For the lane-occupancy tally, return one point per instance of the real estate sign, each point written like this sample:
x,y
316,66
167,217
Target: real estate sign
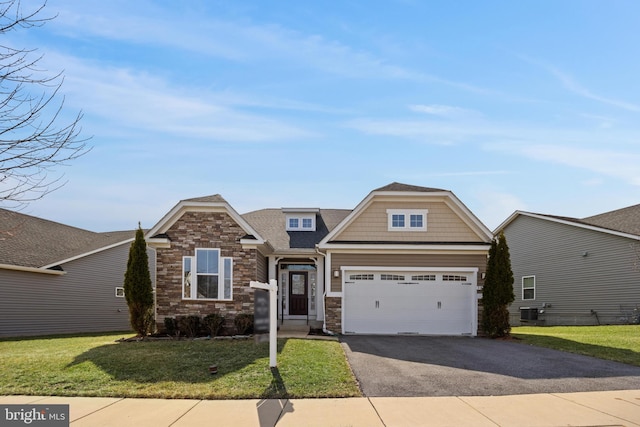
x,y
261,312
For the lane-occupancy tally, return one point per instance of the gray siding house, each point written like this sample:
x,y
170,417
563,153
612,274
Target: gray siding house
x,y
58,279
570,271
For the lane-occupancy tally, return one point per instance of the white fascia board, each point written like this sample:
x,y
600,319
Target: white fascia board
x,y
158,242
469,218
514,215
104,248
451,200
457,206
190,206
337,247
265,247
301,210
345,222
509,220
32,269
303,252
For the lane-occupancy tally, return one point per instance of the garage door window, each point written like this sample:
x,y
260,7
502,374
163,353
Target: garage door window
x,y
361,277
391,277
424,277
453,278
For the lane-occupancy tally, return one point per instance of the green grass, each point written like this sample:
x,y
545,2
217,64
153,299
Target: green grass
x,y
620,343
99,366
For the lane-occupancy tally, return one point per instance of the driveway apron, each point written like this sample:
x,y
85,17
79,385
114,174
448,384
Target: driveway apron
x,y
406,366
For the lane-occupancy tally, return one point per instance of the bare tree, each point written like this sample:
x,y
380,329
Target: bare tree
x,y
32,139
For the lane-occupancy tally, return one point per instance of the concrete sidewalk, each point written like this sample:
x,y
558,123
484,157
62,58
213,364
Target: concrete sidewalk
x,y
608,408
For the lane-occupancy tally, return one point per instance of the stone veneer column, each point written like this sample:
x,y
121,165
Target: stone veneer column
x,y
333,314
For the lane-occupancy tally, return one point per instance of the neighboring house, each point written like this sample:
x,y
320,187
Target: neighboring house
x,y
407,259
57,279
570,271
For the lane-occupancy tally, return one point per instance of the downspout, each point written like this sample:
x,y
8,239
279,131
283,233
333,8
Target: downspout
x,y
324,296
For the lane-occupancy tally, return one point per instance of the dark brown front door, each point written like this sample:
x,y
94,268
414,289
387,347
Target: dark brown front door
x,y
298,296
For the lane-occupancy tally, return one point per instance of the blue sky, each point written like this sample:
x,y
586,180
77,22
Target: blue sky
x,y
527,105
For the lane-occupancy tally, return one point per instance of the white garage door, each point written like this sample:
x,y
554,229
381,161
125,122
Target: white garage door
x,y
409,302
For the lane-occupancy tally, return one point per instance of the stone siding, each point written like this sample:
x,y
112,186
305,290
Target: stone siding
x,y
333,314
204,230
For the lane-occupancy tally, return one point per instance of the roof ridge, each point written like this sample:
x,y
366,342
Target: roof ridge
x,y
398,186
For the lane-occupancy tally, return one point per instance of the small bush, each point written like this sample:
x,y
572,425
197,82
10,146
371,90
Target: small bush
x,y
213,323
243,323
189,325
171,326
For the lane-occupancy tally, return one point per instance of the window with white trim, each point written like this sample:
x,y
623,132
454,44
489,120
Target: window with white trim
x,y
207,275
294,223
407,219
302,222
119,292
528,288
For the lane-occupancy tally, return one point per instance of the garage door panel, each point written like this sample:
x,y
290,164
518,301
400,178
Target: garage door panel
x,y
432,307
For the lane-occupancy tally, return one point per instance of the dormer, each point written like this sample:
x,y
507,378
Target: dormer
x,y
300,219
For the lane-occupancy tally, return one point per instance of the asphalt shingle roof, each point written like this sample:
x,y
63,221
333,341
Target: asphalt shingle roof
x,y
215,198
28,241
271,225
397,186
626,220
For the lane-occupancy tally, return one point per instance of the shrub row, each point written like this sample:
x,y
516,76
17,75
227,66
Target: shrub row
x,y
211,325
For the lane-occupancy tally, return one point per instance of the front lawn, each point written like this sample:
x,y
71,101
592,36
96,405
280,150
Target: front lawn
x,y
620,343
99,366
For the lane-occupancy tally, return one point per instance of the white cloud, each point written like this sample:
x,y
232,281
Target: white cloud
x,y
238,40
574,86
493,206
574,147
445,111
138,100
619,164
571,84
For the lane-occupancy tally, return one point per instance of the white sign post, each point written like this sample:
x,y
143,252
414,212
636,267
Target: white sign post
x,y
272,287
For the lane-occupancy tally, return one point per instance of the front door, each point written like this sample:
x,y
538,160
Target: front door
x,y
298,293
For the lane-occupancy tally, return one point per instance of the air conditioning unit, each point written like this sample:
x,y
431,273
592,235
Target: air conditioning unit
x,y
528,314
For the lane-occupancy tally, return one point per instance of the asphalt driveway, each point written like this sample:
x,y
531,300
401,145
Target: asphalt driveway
x,y
462,366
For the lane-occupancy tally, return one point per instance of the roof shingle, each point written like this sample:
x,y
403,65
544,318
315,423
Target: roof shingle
x,y
28,241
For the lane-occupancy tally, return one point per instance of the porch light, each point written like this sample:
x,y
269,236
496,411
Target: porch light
x,y
336,273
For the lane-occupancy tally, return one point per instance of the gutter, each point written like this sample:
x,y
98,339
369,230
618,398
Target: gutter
x,y
324,296
32,269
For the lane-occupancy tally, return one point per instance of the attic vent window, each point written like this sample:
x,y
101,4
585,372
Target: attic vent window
x,y
301,222
407,219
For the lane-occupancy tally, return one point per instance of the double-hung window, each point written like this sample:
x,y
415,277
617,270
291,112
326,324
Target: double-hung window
x,y
529,287
207,275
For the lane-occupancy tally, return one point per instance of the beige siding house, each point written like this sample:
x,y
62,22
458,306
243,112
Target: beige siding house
x,y
57,279
407,260
571,271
